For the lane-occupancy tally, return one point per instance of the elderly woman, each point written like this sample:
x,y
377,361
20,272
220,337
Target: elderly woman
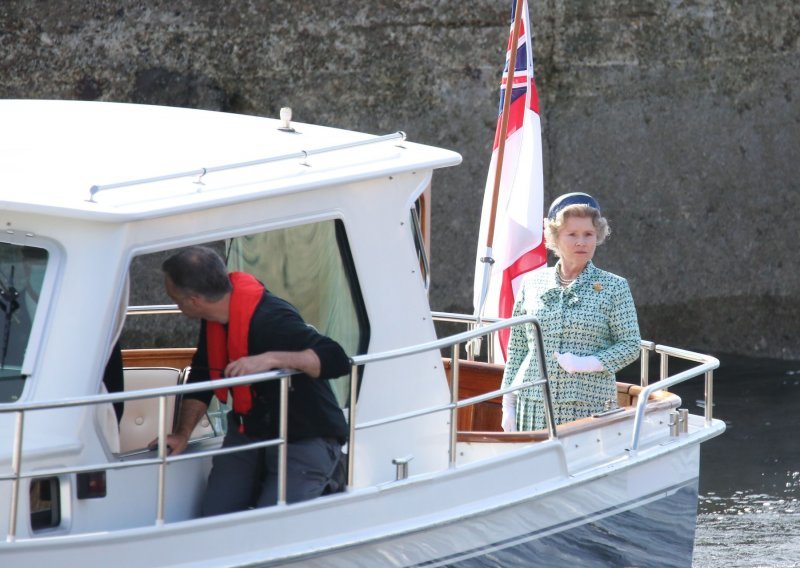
x,y
588,321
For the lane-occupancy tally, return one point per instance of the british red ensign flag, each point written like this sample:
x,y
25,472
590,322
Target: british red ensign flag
x,y
518,247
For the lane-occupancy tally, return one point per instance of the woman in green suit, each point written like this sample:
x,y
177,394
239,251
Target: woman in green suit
x,y
588,320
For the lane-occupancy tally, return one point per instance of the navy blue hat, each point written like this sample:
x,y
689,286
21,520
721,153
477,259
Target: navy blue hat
x,y
576,198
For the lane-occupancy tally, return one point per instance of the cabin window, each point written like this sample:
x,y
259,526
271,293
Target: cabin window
x,y
419,222
22,270
421,240
45,496
310,266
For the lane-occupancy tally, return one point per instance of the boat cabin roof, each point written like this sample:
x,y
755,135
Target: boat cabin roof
x,y
116,162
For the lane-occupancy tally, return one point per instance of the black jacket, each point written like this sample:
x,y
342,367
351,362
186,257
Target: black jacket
x,y
313,410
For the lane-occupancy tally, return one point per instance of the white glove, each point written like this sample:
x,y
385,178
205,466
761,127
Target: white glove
x,y
575,364
509,421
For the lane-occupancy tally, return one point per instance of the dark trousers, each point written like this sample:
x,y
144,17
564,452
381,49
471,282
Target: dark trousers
x,y
247,479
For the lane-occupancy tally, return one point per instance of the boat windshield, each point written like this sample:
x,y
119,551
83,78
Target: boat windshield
x,y
22,270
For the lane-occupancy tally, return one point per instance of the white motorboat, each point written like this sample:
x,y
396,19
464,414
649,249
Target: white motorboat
x,y
335,222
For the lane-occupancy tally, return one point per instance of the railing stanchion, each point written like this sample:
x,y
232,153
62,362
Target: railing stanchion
x,y
549,415
471,345
645,366
709,396
454,368
664,366
282,432
162,456
351,439
16,467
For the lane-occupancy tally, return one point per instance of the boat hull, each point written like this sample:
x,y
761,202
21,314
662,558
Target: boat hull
x,y
635,516
640,511
650,533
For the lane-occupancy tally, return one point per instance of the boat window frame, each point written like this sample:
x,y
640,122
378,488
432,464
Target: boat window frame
x,y
419,222
226,236
52,274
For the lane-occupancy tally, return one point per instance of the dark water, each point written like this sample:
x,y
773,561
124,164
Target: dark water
x,y
749,513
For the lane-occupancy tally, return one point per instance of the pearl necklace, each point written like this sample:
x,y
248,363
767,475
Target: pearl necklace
x,y
563,282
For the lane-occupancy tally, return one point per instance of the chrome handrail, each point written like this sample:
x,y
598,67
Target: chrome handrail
x,y
448,406
438,344
708,364
95,189
453,341
472,323
706,367
150,393
153,310
163,458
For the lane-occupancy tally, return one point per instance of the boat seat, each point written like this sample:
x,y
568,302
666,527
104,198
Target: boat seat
x,y
627,397
139,423
481,422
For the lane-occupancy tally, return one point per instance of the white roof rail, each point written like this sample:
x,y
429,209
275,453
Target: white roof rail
x,y
95,189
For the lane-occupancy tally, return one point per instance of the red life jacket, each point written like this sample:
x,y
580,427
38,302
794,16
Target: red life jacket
x,y
226,345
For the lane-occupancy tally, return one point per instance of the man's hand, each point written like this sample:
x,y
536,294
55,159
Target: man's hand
x,y
176,444
191,412
305,361
251,364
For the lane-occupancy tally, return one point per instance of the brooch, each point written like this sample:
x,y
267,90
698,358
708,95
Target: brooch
x,y
597,287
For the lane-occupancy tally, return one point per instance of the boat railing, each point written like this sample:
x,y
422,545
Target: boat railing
x,y
454,342
706,367
163,457
163,453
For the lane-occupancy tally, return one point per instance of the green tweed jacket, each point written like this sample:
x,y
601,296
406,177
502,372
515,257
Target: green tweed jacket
x,y
595,315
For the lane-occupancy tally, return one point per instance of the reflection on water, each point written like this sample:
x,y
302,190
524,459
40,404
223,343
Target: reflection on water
x,y
749,510
750,530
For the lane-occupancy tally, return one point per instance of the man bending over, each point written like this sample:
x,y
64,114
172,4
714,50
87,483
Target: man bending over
x,y
244,329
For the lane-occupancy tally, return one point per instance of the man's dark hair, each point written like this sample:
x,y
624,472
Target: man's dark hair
x,y
198,270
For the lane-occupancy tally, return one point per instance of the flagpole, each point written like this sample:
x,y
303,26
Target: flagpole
x,y
501,147
487,259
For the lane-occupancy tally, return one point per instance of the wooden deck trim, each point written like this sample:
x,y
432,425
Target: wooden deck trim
x,y
476,378
666,401
176,357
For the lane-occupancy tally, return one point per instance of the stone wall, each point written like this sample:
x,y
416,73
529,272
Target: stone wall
x,y
680,116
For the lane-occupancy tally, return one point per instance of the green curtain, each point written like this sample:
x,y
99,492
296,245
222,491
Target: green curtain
x,y
304,266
